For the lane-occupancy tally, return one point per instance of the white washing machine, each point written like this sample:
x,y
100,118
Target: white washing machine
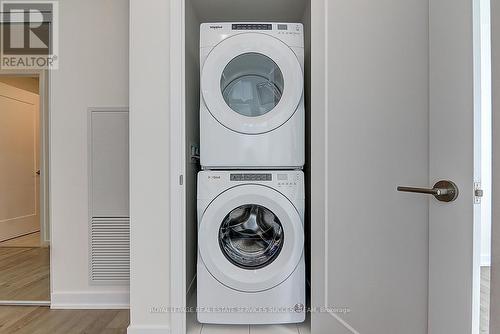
x,y
252,95
251,267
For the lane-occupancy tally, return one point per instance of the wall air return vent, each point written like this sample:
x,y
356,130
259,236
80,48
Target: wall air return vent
x,y
110,250
109,217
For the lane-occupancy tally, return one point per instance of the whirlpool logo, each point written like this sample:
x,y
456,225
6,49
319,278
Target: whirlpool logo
x,y
216,27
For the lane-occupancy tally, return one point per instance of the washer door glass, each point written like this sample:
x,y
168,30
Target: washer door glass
x,y
251,236
252,84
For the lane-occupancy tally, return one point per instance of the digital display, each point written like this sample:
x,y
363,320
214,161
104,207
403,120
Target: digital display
x,y
282,177
251,177
252,26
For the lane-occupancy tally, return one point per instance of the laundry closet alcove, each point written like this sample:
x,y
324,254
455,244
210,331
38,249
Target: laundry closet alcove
x,y
197,12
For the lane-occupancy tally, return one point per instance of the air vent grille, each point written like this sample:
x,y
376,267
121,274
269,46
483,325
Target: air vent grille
x,y
110,250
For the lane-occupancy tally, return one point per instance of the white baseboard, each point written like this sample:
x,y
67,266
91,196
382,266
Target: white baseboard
x,y
90,300
485,260
148,330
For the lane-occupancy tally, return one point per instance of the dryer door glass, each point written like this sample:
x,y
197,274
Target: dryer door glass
x,y
252,84
251,236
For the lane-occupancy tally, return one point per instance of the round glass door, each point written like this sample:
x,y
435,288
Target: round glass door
x,y
241,238
251,236
252,84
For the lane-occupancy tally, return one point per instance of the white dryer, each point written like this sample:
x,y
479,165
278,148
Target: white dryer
x,y
251,267
252,95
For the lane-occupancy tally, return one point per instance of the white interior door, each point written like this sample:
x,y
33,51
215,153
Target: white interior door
x,y
391,105
19,161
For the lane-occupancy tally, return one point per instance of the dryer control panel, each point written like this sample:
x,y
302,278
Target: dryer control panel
x,y
291,34
252,26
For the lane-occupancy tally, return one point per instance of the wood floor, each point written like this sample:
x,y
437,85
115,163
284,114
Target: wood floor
x,y
485,300
42,320
24,274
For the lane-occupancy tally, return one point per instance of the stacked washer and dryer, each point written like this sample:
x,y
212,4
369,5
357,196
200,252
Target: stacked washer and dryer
x,y
251,192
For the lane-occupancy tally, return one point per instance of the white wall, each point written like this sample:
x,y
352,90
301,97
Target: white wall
x,y
485,132
495,252
93,72
150,165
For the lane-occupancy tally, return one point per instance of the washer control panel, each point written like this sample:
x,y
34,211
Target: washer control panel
x,y
213,182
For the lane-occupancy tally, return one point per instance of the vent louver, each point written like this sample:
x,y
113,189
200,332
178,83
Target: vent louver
x,y
110,250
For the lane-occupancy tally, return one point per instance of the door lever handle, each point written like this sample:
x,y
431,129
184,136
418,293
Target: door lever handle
x,y
444,191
